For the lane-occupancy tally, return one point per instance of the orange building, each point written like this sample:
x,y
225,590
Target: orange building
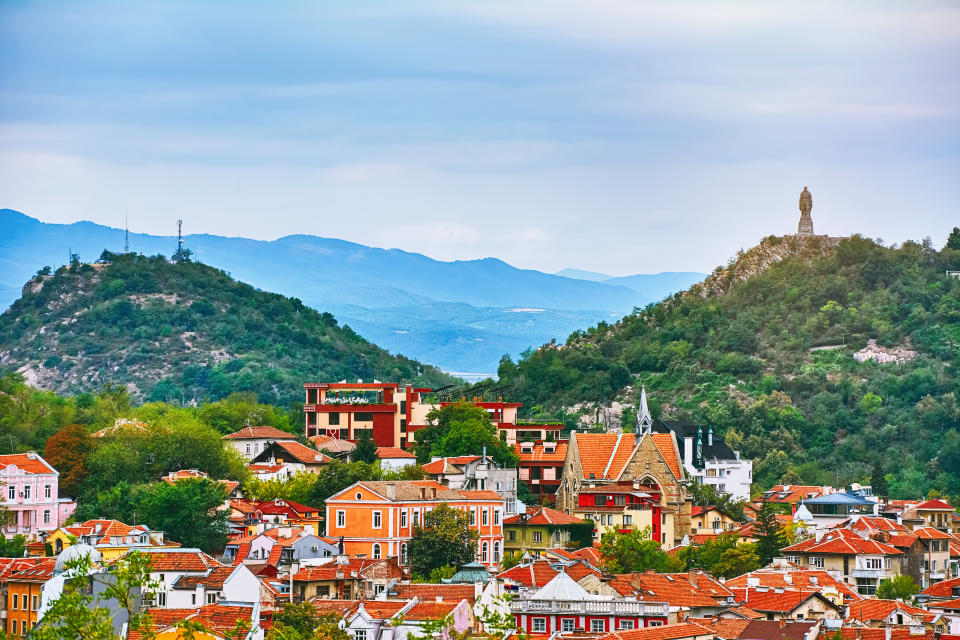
x,y
376,519
23,580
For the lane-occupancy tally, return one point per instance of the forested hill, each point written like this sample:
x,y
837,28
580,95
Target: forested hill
x,y
181,332
764,351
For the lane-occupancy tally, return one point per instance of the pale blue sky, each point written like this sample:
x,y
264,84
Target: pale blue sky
x,y
617,136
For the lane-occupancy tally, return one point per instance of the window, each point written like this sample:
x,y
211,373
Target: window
x,y
537,536
403,518
26,603
566,624
35,603
162,599
47,491
620,500
600,501
655,623
499,486
484,516
377,520
212,598
484,552
416,518
403,553
378,589
12,493
874,563
360,634
496,517
193,598
496,551
46,516
376,551
539,625
596,626
816,561
866,586
363,417
473,517
15,600
626,624
334,419
26,492
627,521
511,535
248,448
716,524
341,519
14,627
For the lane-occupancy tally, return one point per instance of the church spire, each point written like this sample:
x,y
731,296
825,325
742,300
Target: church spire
x,y
644,419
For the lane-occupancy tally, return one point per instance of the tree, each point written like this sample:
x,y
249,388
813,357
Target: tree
x,y
901,587
770,535
67,451
459,429
953,242
878,481
188,511
365,449
302,622
736,561
705,495
633,551
444,538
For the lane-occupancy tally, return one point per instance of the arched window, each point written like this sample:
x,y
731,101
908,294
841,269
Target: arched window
x,y
376,551
484,552
403,553
496,551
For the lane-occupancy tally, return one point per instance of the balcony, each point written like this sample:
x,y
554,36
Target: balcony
x,y
867,573
596,607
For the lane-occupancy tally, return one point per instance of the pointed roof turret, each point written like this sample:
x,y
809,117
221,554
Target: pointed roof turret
x,y
644,419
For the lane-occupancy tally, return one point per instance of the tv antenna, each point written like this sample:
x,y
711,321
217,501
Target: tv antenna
x,y
126,231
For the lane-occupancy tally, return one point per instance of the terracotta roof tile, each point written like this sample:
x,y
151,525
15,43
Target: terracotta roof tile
x,y
534,574
668,449
382,608
935,505
430,592
665,632
945,604
30,463
778,600
260,433
539,452
929,533
394,452
302,453
874,609
213,580
431,610
180,560
443,465
802,579
542,515
943,589
842,541
675,588
603,455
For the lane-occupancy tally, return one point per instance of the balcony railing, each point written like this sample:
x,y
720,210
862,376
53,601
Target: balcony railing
x,y
867,573
610,607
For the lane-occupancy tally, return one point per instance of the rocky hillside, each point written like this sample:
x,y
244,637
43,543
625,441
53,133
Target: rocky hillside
x,y
181,332
823,361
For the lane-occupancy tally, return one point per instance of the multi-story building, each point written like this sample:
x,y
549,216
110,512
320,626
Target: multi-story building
x,y
251,441
626,506
708,460
476,472
21,581
393,414
932,513
541,467
712,521
346,578
376,519
537,530
29,492
111,538
596,460
190,578
854,557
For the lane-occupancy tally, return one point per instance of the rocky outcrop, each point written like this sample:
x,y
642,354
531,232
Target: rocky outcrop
x,y
884,355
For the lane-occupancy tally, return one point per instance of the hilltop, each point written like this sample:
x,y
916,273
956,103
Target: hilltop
x,y
182,332
460,315
822,360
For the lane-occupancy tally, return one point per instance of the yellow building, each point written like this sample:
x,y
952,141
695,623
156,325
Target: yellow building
x,y
111,538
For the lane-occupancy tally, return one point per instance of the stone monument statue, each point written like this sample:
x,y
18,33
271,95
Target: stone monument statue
x,y
805,228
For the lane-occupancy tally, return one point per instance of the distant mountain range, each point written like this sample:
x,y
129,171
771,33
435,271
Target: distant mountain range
x,y
461,315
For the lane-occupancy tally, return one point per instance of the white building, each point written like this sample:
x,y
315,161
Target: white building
x,y
251,441
707,460
190,578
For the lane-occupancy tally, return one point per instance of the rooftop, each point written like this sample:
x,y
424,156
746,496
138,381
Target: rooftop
x,y
260,433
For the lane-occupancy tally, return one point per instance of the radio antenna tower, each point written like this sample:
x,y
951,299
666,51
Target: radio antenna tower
x,y
126,231
179,237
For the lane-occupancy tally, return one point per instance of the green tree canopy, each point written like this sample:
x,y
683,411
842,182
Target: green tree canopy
x,y
634,551
365,449
444,538
462,428
901,587
188,511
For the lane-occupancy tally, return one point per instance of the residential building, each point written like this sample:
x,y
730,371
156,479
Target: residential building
x,y
926,551
297,458
790,496
693,593
738,628
191,578
949,612
219,622
346,578
395,458
29,492
931,513
232,486
789,604
475,472
528,577
21,581
376,519
564,606
652,460
539,529
280,547
333,447
832,509
681,631
626,506
398,620
881,613
781,574
541,467
250,442
712,520
111,538
853,557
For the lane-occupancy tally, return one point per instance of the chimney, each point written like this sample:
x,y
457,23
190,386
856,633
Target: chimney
x,y
886,633
391,490
688,452
484,454
693,576
783,624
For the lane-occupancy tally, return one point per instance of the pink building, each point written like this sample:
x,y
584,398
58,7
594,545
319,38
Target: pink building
x,y
29,490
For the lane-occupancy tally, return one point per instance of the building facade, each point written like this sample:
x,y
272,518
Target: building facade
x,y
30,495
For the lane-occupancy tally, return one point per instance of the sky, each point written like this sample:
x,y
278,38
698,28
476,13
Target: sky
x,y
613,135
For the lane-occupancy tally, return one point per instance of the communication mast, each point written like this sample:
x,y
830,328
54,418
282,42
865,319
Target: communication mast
x,y
179,237
126,231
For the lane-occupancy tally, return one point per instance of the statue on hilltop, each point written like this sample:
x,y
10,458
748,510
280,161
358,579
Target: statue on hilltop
x,y
805,228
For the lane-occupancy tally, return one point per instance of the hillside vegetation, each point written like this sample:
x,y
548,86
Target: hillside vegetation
x,y
764,351
182,332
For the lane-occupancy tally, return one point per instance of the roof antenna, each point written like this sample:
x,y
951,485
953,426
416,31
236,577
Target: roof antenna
x,y
126,231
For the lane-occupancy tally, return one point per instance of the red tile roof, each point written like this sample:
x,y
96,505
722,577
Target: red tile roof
x,y
27,569
479,495
870,633
431,610
934,505
678,589
334,445
534,574
394,452
929,533
778,600
943,589
260,433
301,453
288,507
874,609
186,474
667,446
794,493
180,560
874,523
27,462
945,604
539,453
443,465
542,516
213,580
603,455
329,571
382,608
665,632
842,541
802,579
430,592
